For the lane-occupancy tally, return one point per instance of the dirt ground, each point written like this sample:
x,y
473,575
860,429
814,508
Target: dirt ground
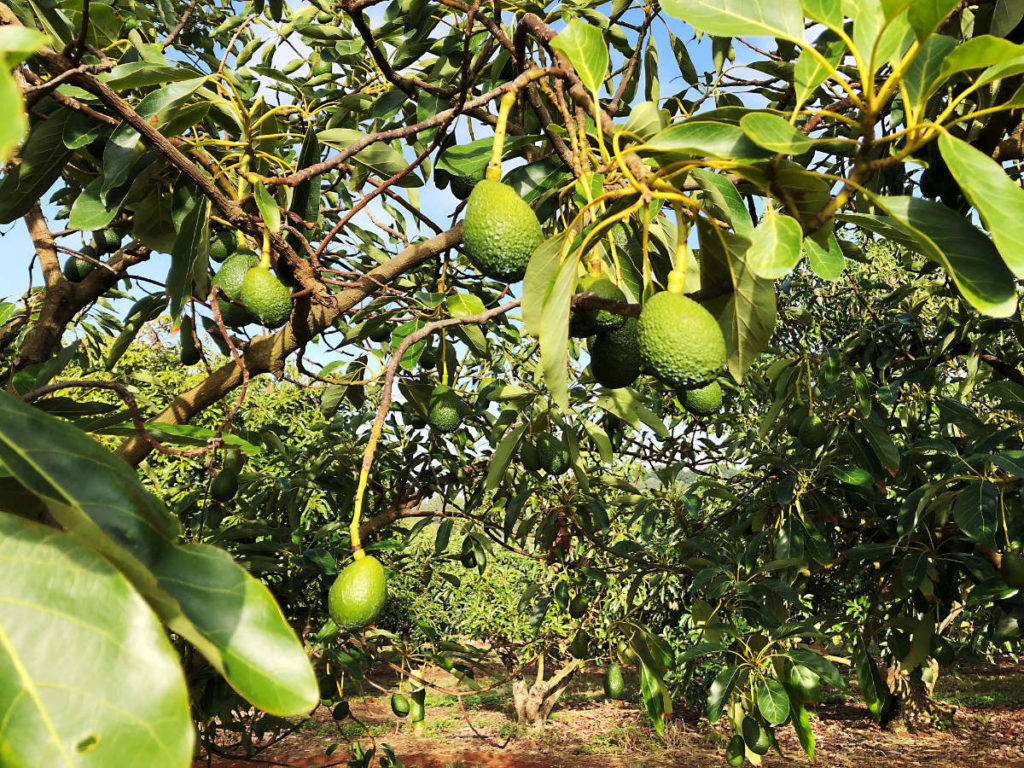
x,y
588,731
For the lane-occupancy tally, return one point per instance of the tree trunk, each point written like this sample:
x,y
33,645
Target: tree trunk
x,y
912,706
533,704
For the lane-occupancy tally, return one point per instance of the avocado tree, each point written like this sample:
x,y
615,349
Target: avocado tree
x,y
282,183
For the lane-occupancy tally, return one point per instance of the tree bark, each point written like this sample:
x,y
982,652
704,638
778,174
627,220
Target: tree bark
x,y
912,707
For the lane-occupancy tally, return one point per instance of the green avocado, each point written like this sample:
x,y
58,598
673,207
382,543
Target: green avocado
x,y
680,341
380,334
578,606
754,736
399,704
615,356
579,648
224,485
75,269
222,244
500,231
552,454
357,595
1012,570
190,352
602,288
796,418
813,432
613,684
703,400
230,277
266,297
462,186
106,240
444,409
528,455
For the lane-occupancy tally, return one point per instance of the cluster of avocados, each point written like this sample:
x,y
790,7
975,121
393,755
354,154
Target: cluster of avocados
x,y
250,292
546,452
103,243
225,484
808,428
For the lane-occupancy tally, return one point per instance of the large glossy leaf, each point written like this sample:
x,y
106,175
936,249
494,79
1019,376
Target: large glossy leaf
x,y
1000,201
380,158
554,332
42,159
90,211
502,456
965,253
775,246
87,677
872,687
978,52
696,138
976,511
924,71
772,701
584,46
721,688
809,72
926,15
775,134
826,263
16,43
733,18
723,201
199,591
191,256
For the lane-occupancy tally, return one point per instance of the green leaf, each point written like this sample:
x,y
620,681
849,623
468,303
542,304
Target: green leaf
x,y
190,257
818,664
380,158
882,445
979,52
600,439
739,18
268,207
699,138
142,74
502,456
142,311
826,264
828,12
926,15
16,44
775,246
540,273
976,511
869,679
628,406
198,590
464,305
306,197
657,700
723,201
772,701
118,691
1000,201
90,212
584,46
43,157
923,73
554,333
721,688
809,72
802,726
772,132
965,253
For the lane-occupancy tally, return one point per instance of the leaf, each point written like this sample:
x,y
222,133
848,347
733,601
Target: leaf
x,y
775,246
723,201
809,72
90,212
739,18
926,15
306,197
198,590
802,726
380,158
502,456
600,439
16,44
818,664
979,52
1000,201
118,691
721,688
190,256
657,700
872,687
584,46
540,273
268,207
828,12
882,445
965,253
142,311
703,138
43,157
826,264
772,132
627,405
141,74
923,72
772,701
976,511
554,333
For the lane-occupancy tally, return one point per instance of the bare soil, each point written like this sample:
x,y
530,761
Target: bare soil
x,y
588,731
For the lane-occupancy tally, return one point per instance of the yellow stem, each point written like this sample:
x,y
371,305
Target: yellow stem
x,y
498,148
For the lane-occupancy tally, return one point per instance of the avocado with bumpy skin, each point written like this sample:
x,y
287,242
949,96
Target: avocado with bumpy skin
x,y
106,240
444,411
230,277
380,334
266,297
462,186
680,341
221,246
357,595
615,356
704,400
613,684
552,454
500,231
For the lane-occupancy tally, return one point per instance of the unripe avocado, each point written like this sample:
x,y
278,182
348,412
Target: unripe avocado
x,y
357,595
399,705
444,409
552,454
75,269
615,356
579,648
528,455
704,400
380,334
462,186
813,432
223,243
500,231
189,354
428,360
613,684
106,240
578,606
266,297
755,737
230,277
796,419
224,486
602,288
680,341
1012,570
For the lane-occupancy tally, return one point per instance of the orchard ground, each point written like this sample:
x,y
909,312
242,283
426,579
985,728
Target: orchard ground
x,y
589,731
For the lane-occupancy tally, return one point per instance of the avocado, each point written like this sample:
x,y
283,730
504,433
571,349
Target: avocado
x,y
796,418
462,185
578,606
552,454
444,409
380,334
190,353
399,705
106,240
222,244
357,595
230,277
613,684
266,297
579,648
680,341
615,356
75,269
1012,570
602,288
500,231
813,432
528,455
224,485
754,736
703,400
